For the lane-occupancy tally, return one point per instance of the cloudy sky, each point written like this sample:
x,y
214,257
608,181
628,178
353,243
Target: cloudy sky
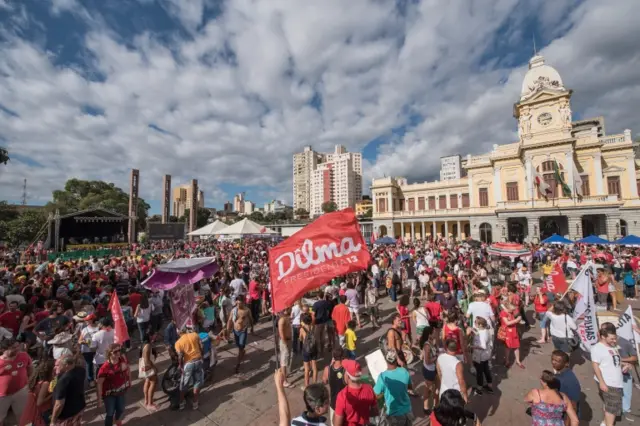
x,y
227,91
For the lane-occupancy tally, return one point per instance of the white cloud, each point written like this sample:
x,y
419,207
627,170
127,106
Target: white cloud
x,y
233,100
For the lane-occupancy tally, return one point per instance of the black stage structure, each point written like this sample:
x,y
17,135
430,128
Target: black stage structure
x,y
91,226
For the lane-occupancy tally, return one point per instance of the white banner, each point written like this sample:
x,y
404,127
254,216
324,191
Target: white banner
x,y
624,328
585,311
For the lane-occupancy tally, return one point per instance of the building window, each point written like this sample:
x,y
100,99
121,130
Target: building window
x,y
465,200
442,202
549,177
382,205
623,228
453,201
613,185
412,204
485,233
401,205
432,203
585,185
512,191
420,203
483,197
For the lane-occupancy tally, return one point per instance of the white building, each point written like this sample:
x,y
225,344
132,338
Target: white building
x,y
338,178
275,206
450,167
248,207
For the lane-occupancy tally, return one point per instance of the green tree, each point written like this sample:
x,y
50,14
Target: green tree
x,y
369,212
25,228
257,216
84,194
4,155
329,206
7,212
155,218
202,217
302,214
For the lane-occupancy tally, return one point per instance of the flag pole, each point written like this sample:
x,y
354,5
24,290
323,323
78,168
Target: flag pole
x,y
273,322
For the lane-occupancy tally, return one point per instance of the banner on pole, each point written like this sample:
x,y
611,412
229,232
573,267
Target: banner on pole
x,y
555,281
182,304
624,328
121,334
331,246
585,311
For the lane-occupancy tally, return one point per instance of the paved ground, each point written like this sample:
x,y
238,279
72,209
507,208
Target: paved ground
x,y
250,398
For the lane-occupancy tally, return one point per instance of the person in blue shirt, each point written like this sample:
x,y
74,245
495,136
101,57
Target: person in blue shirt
x,y
206,350
569,384
393,385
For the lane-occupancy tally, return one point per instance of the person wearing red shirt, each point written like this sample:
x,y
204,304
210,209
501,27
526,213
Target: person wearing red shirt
x,y
255,290
15,370
357,401
341,316
134,299
11,319
113,382
541,306
435,311
634,263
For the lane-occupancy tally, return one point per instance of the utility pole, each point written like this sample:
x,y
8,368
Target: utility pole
x,y
24,192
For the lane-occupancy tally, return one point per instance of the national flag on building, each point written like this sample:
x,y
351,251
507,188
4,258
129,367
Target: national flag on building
x,y
566,190
543,187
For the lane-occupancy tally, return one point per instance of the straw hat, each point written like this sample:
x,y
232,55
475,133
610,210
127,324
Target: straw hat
x,y
61,338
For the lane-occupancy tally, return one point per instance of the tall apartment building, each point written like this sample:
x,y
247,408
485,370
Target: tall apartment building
x,y
238,203
181,199
321,177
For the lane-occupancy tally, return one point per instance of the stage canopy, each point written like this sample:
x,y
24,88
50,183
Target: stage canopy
x,y
91,226
209,230
246,227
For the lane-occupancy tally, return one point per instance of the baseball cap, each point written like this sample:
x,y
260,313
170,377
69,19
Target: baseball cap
x,y
352,368
391,356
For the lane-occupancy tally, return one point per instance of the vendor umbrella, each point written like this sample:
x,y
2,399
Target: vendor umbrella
x,y
592,239
629,240
385,240
556,239
511,250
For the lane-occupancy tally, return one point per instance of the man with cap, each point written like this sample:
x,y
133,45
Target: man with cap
x,y
393,385
357,402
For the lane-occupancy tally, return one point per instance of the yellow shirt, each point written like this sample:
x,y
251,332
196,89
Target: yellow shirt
x,y
546,269
350,340
189,345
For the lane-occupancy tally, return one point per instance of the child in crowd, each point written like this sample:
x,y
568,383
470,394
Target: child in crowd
x,y
482,348
350,340
420,317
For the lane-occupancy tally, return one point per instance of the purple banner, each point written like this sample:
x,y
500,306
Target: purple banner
x,y
183,304
160,280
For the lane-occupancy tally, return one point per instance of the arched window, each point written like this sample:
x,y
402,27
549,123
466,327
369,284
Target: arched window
x,y
485,233
548,173
623,228
382,231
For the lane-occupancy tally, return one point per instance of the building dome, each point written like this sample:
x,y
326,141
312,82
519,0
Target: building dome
x,y
540,76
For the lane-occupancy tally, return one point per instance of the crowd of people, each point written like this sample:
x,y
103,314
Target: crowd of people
x,y
459,313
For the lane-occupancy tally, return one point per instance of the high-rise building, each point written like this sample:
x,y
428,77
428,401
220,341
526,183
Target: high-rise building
x,y
228,207
181,199
248,207
322,177
238,203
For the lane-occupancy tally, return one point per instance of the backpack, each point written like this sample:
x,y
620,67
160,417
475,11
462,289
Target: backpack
x,y
309,343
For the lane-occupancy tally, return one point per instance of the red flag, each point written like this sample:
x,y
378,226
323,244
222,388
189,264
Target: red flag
x,y
556,281
121,334
331,246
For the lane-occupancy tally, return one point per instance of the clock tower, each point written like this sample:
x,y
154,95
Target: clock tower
x,y
544,109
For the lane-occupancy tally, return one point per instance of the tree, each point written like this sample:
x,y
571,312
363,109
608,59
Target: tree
x,y
84,194
329,206
202,216
257,217
7,212
4,156
155,218
302,214
369,212
25,228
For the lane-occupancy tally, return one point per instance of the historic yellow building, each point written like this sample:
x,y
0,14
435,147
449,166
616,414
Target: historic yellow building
x,y
500,197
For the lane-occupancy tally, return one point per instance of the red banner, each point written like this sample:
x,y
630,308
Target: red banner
x,y
556,281
330,246
121,334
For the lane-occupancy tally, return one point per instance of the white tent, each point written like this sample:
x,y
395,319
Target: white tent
x,y
210,229
246,227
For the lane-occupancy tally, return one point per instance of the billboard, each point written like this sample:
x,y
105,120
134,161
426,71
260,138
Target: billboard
x,y
165,231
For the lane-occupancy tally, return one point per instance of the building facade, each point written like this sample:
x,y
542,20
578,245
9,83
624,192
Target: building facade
x,y
451,167
562,176
181,199
322,177
238,203
276,206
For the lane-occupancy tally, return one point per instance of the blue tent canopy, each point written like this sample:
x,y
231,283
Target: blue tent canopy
x,y
593,239
385,240
629,240
556,239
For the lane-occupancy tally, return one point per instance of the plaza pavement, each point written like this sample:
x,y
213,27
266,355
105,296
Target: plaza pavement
x,y
250,398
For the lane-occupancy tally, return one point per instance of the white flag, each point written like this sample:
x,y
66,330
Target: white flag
x,y
585,311
577,180
625,327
